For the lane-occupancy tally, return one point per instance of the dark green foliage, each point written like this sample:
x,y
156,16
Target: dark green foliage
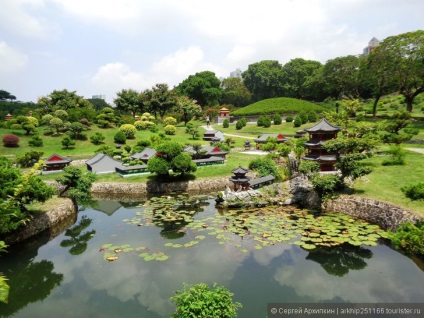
x,y
277,120
326,184
308,167
297,122
106,150
204,87
77,184
414,191
75,129
67,142
35,141
225,123
267,122
303,116
260,121
154,128
289,119
281,105
29,158
409,237
312,116
97,138
264,167
239,125
158,165
243,121
201,301
396,156
120,138
193,131
183,164
10,140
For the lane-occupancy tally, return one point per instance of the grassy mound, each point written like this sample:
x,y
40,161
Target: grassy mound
x,y
281,105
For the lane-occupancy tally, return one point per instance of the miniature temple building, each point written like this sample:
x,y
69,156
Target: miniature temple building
x,y
263,139
56,163
213,135
318,135
223,114
239,179
8,117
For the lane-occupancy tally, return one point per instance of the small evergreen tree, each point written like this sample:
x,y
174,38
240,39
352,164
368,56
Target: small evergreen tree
x,y
120,138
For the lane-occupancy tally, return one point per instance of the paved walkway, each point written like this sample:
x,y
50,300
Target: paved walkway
x,y
225,134
419,150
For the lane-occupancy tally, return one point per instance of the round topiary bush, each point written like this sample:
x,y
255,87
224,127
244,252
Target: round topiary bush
x,y
277,120
297,121
120,138
11,140
225,123
170,120
129,130
267,122
289,119
239,125
170,129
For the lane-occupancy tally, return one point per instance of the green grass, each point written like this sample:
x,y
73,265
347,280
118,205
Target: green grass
x,y
281,105
385,182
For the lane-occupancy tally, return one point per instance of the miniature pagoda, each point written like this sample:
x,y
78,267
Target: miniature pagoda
x,y
318,135
240,180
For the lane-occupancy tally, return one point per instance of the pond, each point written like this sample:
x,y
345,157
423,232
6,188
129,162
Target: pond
x,y
126,259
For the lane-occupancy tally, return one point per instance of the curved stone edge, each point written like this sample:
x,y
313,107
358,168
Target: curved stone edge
x,y
387,216
64,214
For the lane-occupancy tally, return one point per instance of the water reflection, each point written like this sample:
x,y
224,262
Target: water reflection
x,y
78,240
339,260
29,281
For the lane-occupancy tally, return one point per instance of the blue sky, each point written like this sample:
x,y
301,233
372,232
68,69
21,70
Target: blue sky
x,y
103,46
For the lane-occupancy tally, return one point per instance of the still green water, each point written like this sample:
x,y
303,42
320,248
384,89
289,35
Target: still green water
x,y
69,277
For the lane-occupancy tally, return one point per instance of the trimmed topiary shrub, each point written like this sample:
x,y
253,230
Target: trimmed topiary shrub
x,y
120,138
267,122
35,141
170,129
304,117
277,120
170,121
289,119
414,191
260,121
409,237
225,123
297,122
239,125
97,138
312,116
11,140
129,130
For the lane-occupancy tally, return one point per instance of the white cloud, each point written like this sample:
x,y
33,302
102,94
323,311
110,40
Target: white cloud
x,y
15,19
11,59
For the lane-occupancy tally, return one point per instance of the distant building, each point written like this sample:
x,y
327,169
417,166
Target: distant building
x,y
99,97
236,73
371,45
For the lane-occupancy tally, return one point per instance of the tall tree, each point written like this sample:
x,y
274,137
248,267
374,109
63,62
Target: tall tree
x,y
264,79
341,76
204,87
5,95
129,100
64,100
234,92
403,56
161,100
295,75
187,107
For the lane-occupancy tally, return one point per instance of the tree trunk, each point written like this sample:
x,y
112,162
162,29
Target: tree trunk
x,y
374,107
409,100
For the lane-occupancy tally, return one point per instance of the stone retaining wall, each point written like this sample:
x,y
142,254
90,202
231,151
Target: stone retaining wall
x,y
387,216
129,188
57,220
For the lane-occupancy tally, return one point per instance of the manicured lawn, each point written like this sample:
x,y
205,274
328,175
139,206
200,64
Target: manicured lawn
x,y
385,182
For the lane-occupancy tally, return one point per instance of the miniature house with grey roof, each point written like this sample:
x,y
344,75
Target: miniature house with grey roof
x,y
102,163
318,135
207,152
213,135
56,163
144,155
263,139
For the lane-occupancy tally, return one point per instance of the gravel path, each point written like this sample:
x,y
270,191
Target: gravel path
x,y
419,150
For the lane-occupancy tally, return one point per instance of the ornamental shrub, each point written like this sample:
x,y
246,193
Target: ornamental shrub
x,y
289,119
129,130
277,120
409,237
297,122
264,167
414,191
11,140
97,138
170,120
260,121
153,128
67,142
170,129
267,122
312,116
201,301
225,123
120,138
239,125
304,117
35,141
308,167
243,121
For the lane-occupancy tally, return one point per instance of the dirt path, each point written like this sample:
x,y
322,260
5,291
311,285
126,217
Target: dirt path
x,y
225,134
